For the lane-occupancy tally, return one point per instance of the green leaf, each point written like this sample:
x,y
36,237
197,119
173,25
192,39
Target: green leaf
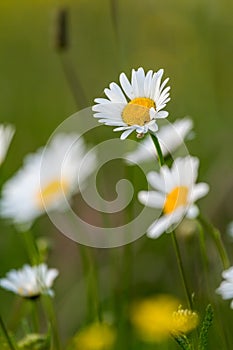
x,y
183,341
207,322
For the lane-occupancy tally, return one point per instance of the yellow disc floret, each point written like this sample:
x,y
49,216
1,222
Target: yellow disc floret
x,y
176,198
137,111
183,321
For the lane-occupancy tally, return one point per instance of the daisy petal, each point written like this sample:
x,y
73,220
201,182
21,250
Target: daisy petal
x,y
161,114
228,274
115,93
101,100
192,212
151,199
159,227
156,180
140,77
126,86
199,190
154,127
147,82
126,133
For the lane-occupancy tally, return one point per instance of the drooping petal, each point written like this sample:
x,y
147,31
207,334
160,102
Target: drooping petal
x,y
126,133
164,223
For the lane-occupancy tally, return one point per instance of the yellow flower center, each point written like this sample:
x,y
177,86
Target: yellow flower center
x,y
176,198
137,111
51,192
184,321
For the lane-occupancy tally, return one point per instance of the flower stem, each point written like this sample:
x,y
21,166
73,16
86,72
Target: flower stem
x,y
215,234
158,148
73,81
181,268
8,339
204,256
31,247
175,243
35,314
49,307
61,45
91,278
114,16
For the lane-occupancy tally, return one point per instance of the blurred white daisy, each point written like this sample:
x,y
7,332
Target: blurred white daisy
x,y
176,194
170,137
226,287
6,134
134,105
47,179
30,281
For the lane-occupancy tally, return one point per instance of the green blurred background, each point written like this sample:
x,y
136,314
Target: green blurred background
x,y
191,40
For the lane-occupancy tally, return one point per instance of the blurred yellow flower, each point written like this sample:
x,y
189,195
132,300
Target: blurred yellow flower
x,y
97,336
151,317
184,321
157,317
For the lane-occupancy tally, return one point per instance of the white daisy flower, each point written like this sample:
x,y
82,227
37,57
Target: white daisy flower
x,y
170,137
6,134
30,281
47,179
134,105
226,287
176,193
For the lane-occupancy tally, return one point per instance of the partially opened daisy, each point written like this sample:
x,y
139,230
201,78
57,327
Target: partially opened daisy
x,y
176,192
30,281
47,179
170,137
134,105
226,287
6,134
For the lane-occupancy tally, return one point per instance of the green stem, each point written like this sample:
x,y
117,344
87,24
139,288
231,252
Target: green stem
x,y
216,235
175,243
158,149
127,271
31,247
204,256
114,17
202,245
92,288
35,314
49,308
73,82
8,339
181,269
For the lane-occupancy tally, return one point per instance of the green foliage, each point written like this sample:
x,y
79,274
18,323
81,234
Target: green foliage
x,y
207,322
34,342
183,341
